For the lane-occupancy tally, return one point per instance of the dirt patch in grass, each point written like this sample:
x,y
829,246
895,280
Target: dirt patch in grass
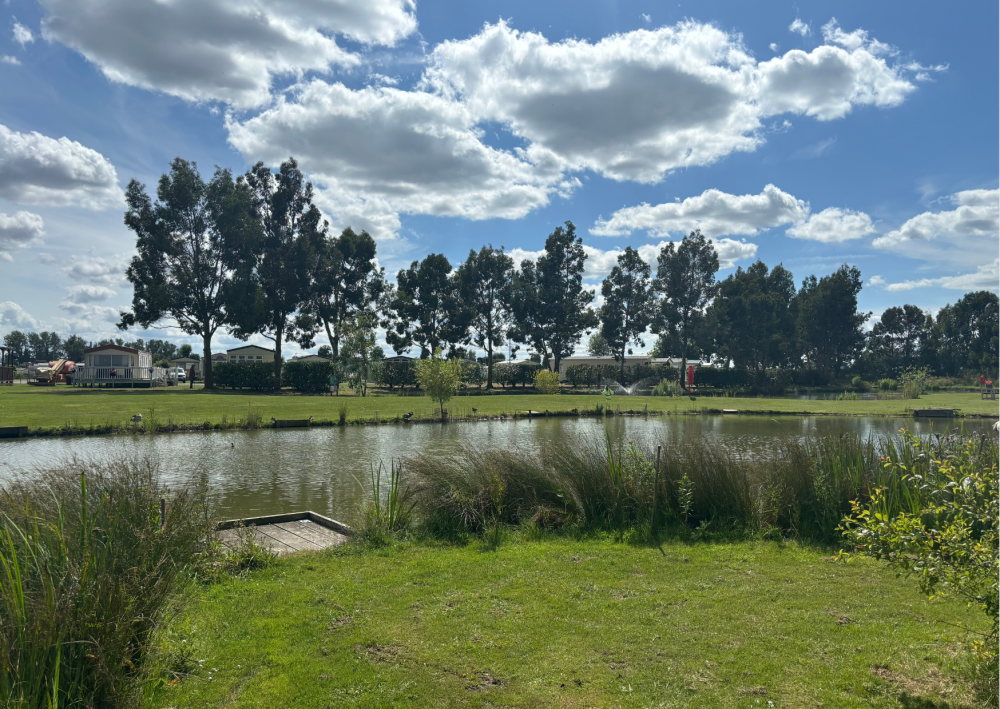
x,y
483,681
375,652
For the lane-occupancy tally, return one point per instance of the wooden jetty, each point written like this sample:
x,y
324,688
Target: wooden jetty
x,y
934,413
292,423
286,533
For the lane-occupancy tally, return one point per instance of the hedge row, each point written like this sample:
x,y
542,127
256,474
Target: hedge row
x,y
310,377
590,375
256,376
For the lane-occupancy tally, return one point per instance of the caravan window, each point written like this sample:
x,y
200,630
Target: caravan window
x,y
103,360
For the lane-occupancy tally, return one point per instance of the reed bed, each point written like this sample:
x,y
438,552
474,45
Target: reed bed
x,y
793,489
87,568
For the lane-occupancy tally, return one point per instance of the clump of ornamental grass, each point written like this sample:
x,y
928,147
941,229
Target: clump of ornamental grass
x,y
799,489
87,566
387,511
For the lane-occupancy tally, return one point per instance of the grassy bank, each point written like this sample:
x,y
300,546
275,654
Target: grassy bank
x,y
68,409
565,623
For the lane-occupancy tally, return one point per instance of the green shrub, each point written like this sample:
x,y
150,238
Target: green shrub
x,y
309,377
913,382
888,385
256,376
938,523
667,387
439,378
86,572
547,382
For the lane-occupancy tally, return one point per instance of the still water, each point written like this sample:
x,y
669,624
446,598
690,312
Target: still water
x,y
278,470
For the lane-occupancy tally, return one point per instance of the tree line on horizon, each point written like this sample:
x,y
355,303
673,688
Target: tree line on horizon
x,y
252,254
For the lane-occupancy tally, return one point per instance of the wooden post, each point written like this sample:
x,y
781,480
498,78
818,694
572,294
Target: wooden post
x,y
163,513
656,489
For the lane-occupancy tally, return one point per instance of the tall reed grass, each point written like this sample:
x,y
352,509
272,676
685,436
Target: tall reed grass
x,y
384,515
792,489
86,570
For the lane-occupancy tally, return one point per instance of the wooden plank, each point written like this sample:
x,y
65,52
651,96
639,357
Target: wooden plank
x,y
261,521
228,537
269,542
333,524
231,539
313,532
293,540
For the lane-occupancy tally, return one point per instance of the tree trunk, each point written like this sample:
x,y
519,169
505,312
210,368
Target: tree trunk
x,y
278,332
684,348
621,376
489,364
206,362
335,348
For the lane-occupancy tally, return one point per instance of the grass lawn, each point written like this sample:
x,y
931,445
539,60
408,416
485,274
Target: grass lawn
x,y
49,408
562,623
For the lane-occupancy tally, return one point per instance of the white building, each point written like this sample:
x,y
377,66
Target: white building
x,y
310,358
116,365
675,362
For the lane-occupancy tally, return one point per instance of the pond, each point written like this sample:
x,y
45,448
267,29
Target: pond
x,y
271,471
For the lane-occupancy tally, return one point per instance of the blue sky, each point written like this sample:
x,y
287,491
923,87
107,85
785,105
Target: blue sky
x,y
861,133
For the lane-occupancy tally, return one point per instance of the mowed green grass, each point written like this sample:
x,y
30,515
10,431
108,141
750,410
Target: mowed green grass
x,y
44,407
566,624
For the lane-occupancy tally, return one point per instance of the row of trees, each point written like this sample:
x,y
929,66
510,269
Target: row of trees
x,y
48,346
252,254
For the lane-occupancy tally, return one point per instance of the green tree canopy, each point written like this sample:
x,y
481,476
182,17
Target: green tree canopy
x,y
439,377
347,284
829,325
73,348
276,231
427,309
685,280
754,317
597,346
900,339
628,299
45,345
486,284
179,270
17,341
967,334
551,306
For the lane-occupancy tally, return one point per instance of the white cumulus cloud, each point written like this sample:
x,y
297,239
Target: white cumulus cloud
x,y
7,59
829,81
713,211
986,277
96,270
600,261
204,50
13,316
694,94
800,27
833,225
375,152
19,230
977,214
22,35
36,169
90,294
